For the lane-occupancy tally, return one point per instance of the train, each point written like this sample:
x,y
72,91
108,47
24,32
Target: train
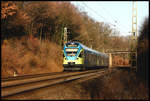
x,y
77,56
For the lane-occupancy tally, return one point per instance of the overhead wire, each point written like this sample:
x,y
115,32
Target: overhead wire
x,y
94,11
116,21
109,13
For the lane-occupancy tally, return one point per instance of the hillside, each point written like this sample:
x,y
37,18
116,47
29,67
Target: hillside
x,y
31,43
32,35
30,56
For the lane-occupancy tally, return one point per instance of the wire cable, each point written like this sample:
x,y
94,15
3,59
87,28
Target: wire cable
x,y
116,21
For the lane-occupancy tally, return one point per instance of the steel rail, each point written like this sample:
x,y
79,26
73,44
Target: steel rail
x,y
32,76
41,78
28,76
35,84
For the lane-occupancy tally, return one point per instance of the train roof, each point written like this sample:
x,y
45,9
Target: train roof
x,y
89,49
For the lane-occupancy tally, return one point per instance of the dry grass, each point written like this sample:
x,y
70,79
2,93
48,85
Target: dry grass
x,y
120,85
29,56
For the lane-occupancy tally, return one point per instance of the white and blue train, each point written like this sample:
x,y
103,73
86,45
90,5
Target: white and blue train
x,y
77,56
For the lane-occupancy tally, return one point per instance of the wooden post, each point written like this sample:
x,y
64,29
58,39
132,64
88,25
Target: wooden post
x,y
15,74
110,60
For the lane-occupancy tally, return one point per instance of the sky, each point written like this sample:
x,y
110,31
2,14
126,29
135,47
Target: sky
x,y
118,13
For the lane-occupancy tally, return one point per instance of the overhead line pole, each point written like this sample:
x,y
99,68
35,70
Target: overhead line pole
x,y
134,20
134,35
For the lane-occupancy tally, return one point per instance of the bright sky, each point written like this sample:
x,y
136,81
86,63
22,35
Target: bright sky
x,y
112,11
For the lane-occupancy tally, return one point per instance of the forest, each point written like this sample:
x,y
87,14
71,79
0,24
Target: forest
x,y
31,35
46,21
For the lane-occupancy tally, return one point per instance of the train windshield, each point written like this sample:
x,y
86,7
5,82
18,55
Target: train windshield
x,y
72,44
71,52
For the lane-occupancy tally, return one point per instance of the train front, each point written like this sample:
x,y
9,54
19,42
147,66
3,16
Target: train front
x,y
72,58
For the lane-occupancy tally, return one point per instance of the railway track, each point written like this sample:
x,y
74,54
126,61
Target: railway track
x,y
28,76
12,86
